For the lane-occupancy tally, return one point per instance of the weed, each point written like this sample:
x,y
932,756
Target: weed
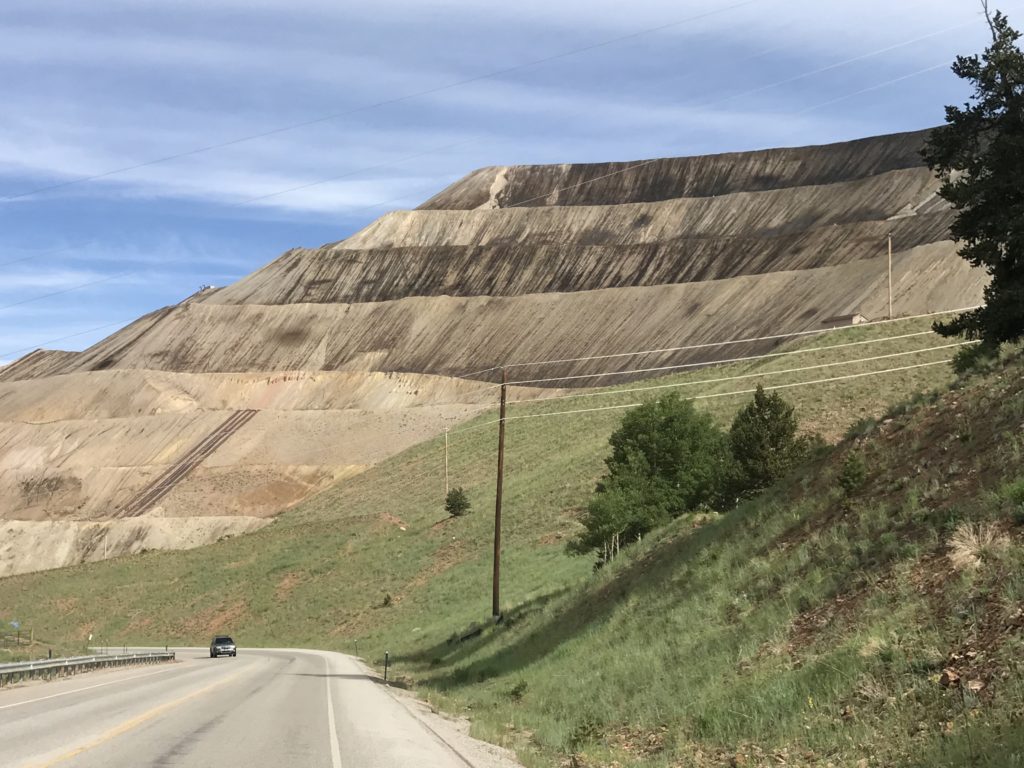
x,y
1013,493
971,545
863,427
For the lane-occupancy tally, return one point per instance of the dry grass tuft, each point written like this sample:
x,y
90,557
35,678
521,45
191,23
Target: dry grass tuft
x,y
873,647
971,545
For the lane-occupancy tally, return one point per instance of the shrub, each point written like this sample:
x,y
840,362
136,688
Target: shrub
x,y
764,442
456,503
975,358
666,459
853,474
861,428
1014,494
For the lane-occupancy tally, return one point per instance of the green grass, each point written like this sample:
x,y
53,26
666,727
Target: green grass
x,y
684,633
805,623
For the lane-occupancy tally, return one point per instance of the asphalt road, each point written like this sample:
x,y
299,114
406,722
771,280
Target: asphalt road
x,y
264,708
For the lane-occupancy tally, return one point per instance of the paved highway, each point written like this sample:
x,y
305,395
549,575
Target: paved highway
x,y
264,708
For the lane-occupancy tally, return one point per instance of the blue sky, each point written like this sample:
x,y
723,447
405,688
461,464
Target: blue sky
x,y
90,88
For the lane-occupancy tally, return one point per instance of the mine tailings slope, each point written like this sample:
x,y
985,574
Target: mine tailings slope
x,y
353,351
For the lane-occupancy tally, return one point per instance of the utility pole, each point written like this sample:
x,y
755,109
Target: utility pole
x,y
496,582
446,463
890,275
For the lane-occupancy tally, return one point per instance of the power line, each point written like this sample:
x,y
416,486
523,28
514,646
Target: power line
x,y
358,171
541,400
875,87
707,345
740,392
759,374
715,102
64,338
449,146
386,102
78,287
128,273
703,363
840,64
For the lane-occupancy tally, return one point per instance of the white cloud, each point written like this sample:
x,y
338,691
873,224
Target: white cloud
x,y
83,134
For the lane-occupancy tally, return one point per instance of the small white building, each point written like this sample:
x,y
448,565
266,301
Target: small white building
x,y
841,321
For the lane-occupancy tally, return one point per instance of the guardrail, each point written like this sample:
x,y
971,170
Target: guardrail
x,y
51,668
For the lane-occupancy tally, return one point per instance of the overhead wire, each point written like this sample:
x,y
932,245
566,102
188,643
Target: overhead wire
x,y
434,150
542,400
751,92
710,344
759,374
385,102
740,392
118,275
715,362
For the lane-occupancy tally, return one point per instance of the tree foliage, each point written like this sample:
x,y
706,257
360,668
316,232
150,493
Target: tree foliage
x,y
979,156
764,442
666,459
456,503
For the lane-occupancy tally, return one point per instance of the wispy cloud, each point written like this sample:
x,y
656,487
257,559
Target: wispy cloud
x,y
91,87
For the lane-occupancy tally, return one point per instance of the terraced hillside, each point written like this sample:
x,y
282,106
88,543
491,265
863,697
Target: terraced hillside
x,y
355,350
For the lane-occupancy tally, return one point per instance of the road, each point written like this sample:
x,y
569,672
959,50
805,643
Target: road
x,y
264,708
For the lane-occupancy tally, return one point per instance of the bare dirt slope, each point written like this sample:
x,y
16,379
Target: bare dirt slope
x,y
355,350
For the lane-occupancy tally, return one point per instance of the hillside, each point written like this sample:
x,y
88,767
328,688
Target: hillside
x,y
354,351
805,628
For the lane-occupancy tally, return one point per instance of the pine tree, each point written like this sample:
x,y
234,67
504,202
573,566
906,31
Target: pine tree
x,y
764,442
979,156
456,503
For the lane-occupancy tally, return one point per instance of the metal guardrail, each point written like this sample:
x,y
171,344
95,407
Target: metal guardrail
x,y
51,668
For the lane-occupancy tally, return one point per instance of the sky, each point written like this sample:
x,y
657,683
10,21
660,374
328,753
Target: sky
x,y
148,148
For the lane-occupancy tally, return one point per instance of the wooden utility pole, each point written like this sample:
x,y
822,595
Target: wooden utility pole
x,y
446,463
496,581
890,275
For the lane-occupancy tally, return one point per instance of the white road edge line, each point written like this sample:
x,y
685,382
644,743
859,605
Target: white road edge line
x,y
332,726
410,710
87,688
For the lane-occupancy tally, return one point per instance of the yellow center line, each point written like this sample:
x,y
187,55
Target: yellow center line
x,y
135,722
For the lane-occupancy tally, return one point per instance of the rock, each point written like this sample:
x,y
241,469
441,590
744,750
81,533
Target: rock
x,y
949,678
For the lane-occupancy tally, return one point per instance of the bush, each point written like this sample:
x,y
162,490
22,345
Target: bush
x,y
456,503
667,459
975,358
764,442
853,474
861,428
1014,495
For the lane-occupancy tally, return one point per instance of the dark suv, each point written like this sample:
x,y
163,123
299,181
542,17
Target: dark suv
x,y
222,645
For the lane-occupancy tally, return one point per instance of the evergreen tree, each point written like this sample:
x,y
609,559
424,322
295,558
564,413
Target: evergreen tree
x,y
764,442
979,156
456,503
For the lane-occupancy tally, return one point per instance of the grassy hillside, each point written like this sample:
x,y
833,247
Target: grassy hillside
x,y
805,622
809,627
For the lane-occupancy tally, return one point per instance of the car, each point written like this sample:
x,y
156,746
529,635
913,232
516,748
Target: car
x,y
222,645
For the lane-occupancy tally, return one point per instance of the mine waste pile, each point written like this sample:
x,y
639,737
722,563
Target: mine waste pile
x,y
208,418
